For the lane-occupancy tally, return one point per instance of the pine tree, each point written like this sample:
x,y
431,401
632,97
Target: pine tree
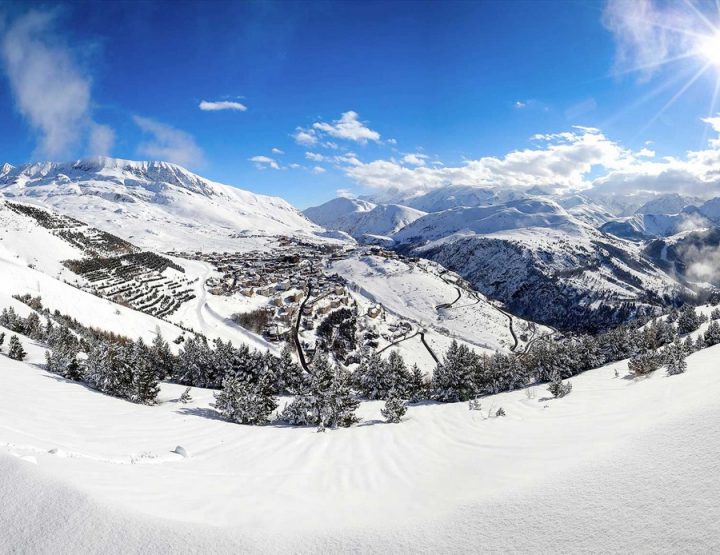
x,y
688,321
15,349
62,360
369,377
395,408
161,357
453,379
288,374
2,339
417,389
327,399
675,359
245,401
715,314
145,383
644,363
712,334
557,388
107,369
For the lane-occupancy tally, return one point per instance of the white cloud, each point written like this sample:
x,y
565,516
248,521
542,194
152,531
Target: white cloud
x,y
318,170
344,193
648,33
101,140
168,143
415,159
561,162
216,106
314,156
277,151
392,141
263,162
348,128
50,89
645,153
305,137
520,104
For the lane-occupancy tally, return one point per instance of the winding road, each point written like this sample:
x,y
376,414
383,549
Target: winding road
x,y
296,330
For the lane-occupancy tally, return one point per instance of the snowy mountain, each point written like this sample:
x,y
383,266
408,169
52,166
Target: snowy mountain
x,y
647,226
665,204
542,262
362,219
156,205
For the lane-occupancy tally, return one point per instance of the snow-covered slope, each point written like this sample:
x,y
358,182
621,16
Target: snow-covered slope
x,y
529,212
542,262
156,205
647,226
619,465
360,218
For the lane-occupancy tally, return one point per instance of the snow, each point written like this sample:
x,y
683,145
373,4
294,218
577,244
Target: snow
x,y
618,465
362,219
157,205
417,292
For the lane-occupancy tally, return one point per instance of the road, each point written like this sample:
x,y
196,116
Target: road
x,y
296,330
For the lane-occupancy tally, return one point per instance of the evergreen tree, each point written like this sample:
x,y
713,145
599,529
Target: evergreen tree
x,y
453,379
2,339
395,408
712,334
246,401
194,362
369,377
417,389
715,314
675,359
161,357
557,388
15,349
107,369
288,373
62,360
327,399
644,363
688,321
145,378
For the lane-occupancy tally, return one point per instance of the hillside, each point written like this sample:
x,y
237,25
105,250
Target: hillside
x,y
110,465
361,219
156,205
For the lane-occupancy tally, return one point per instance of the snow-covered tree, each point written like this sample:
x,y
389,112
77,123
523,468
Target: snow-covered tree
x,y
644,363
675,359
246,401
453,379
689,320
15,349
161,357
557,388
327,399
712,334
369,376
2,339
417,389
144,374
107,369
394,409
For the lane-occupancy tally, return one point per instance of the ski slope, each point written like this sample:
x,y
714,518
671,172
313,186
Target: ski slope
x,y
618,465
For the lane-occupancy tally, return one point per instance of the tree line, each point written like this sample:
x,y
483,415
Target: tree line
x,y
251,382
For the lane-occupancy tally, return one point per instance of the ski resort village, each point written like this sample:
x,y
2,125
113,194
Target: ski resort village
x,y
451,284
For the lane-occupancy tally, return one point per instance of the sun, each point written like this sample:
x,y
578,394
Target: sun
x,y
709,48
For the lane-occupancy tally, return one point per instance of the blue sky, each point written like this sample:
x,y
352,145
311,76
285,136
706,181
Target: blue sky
x,y
432,93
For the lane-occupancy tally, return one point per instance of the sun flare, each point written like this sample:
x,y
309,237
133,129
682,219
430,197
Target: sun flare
x,y
709,49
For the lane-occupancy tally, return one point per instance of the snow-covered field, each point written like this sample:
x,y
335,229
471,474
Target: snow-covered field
x,y
618,465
